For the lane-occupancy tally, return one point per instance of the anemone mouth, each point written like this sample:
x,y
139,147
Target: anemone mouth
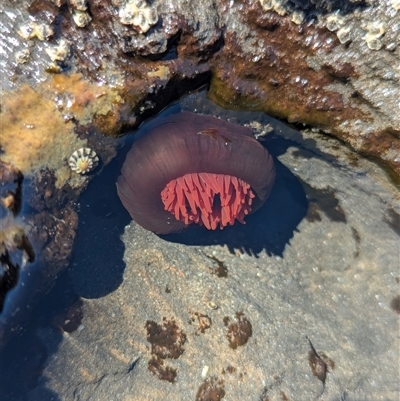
x,y
208,199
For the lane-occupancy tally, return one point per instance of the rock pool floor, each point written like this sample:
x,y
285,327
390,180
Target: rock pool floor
x,y
301,303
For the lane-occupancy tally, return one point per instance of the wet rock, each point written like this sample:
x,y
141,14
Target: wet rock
x,y
320,294
311,62
16,252
10,189
303,73
77,75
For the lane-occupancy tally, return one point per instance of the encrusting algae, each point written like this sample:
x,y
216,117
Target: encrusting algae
x,y
37,131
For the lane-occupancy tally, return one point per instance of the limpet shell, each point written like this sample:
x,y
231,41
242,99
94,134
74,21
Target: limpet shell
x,y
83,160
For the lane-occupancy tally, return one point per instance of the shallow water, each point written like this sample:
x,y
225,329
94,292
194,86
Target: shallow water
x,y
320,261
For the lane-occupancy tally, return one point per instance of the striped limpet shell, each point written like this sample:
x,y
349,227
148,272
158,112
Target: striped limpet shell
x,y
83,160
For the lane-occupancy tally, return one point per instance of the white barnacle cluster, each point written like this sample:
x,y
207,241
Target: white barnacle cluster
x,y
139,14
79,12
375,30
33,29
282,8
83,160
338,24
274,5
334,22
57,53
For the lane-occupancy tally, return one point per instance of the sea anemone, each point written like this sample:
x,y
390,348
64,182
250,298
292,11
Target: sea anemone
x,y
190,168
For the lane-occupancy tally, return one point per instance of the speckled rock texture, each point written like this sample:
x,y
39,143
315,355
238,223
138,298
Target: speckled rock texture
x,y
301,303
329,64
80,74
310,73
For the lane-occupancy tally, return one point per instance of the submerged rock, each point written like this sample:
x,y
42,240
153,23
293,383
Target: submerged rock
x,y
308,301
79,75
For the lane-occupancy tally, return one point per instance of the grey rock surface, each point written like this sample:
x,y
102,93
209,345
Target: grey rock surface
x,y
317,283
307,291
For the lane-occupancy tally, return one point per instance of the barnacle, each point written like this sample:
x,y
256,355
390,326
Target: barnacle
x,y
266,5
139,14
81,18
58,52
276,5
334,22
22,56
375,30
78,4
33,29
373,42
344,35
83,160
298,17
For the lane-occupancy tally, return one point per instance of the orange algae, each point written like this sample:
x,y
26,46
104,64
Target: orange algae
x,y
34,131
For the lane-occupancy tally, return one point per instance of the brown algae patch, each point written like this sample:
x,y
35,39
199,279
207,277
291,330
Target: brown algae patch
x,y
159,369
211,389
37,128
167,341
204,322
239,332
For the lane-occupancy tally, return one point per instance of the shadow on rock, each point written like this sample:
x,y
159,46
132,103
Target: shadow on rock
x,y
270,228
24,358
97,264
